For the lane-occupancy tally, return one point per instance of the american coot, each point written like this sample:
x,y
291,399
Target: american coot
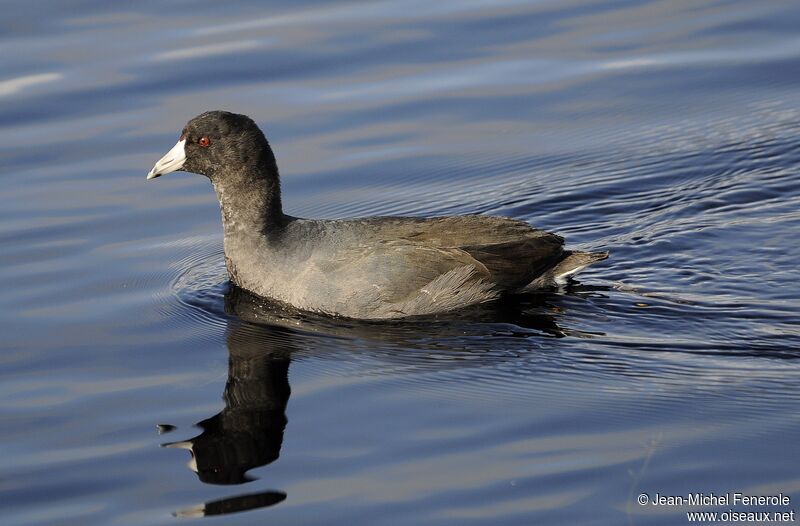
x,y
377,267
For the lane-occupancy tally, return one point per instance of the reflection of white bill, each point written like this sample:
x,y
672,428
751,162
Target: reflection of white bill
x,y
187,445
233,504
197,511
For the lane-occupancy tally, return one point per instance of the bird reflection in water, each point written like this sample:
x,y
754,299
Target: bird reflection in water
x,y
248,432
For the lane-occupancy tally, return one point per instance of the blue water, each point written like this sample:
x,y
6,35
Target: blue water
x,y
666,132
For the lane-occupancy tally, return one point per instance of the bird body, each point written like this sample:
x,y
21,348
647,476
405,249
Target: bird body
x,y
372,268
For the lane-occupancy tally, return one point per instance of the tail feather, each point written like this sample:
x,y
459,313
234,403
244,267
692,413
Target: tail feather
x,y
574,262
571,263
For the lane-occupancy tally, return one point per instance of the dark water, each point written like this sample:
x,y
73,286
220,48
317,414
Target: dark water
x,y
666,132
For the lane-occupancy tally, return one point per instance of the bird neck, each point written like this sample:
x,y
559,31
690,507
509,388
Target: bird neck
x,y
250,201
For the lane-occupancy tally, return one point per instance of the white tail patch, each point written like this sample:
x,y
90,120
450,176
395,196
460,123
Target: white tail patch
x,y
561,279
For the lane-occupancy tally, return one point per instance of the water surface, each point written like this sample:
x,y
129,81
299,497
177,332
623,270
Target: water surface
x,y
137,387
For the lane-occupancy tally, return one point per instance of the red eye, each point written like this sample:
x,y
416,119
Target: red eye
x,y
204,142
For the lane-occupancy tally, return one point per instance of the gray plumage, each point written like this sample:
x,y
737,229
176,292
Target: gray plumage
x,y
380,267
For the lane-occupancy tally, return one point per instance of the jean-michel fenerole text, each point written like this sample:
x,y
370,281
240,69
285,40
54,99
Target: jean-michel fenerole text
x,y
720,499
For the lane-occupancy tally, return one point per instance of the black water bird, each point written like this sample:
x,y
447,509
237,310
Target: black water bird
x,y
374,268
